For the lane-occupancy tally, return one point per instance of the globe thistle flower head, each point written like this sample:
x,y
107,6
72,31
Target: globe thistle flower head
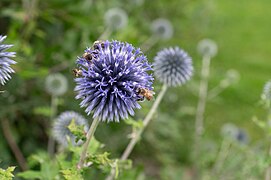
x,y
242,136
207,47
162,28
61,131
116,18
5,61
229,130
266,94
232,77
173,66
56,84
109,83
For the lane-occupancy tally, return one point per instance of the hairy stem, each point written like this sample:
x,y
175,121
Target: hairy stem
x,y
146,121
203,90
90,134
12,144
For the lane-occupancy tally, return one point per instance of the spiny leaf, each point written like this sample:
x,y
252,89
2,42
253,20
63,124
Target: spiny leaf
x,y
7,174
72,174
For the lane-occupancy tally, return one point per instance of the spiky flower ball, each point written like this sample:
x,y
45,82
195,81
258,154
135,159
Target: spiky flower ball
x,y
56,84
5,61
61,131
112,75
173,66
162,28
116,18
242,136
229,130
207,47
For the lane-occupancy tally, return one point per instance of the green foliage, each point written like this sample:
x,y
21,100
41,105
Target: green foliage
x,y
7,174
48,169
45,111
71,174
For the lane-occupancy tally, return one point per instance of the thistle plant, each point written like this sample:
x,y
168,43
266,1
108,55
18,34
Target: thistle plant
x,y
56,85
61,130
172,67
114,19
231,135
161,29
207,49
111,75
5,61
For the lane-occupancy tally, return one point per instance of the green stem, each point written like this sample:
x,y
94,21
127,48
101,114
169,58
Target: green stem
x,y
90,134
199,124
146,121
105,35
221,156
149,43
51,142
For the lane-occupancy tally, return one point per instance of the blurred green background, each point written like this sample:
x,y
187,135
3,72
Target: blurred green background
x,y
48,34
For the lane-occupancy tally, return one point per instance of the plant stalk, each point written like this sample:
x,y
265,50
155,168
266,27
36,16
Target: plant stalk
x,y
146,121
199,124
51,142
13,145
90,134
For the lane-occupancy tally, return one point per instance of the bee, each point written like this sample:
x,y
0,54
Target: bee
x,y
96,44
87,56
145,93
77,72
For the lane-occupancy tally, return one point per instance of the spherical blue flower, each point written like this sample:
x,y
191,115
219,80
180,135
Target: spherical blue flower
x,y
229,130
116,18
5,61
162,28
242,136
60,128
112,74
173,66
207,47
56,84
